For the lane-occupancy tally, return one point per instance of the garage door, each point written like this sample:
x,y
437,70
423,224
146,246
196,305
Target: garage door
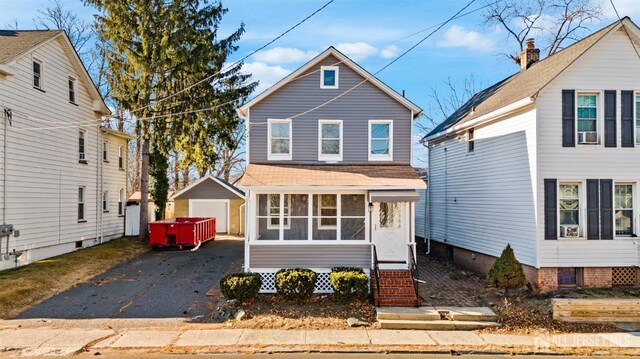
x,y
206,208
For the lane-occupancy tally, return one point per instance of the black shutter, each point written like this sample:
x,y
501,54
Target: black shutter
x,y
550,209
606,209
626,128
610,135
593,210
568,118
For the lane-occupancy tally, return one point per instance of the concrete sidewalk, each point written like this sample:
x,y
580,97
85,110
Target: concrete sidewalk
x,y
48,340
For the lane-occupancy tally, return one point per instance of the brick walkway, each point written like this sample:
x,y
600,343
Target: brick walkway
x,y
449,285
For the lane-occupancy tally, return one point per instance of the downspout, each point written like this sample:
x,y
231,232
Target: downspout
x,y
446,199
98,192
4,179
427,213
103,131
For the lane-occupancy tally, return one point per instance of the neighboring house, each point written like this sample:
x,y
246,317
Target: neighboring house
x,y
329,176
132,224
422,206
547,160
65,176
212,197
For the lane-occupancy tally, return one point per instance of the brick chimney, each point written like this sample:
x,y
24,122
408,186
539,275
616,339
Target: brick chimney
x,y
529,56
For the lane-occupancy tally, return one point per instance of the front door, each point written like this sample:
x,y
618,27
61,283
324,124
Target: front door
x,y
390,232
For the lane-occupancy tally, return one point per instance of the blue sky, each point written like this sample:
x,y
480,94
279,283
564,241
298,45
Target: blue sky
x,y
371,32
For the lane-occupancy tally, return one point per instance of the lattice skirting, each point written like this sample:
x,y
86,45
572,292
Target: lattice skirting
x,y
323,285
622,276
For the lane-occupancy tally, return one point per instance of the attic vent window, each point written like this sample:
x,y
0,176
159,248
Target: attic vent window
x,y
329,77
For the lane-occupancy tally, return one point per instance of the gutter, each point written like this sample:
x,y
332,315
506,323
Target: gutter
x,y
503,111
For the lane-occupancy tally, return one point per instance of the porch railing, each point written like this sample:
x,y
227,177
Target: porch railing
x,y
415,274
376,273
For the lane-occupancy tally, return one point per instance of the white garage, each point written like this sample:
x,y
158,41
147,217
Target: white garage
x,y
211,208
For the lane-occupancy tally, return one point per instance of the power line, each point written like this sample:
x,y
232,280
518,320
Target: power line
x,y
625,29
387,65
237,62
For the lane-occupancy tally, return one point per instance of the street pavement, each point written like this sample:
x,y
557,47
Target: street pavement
x,y
158,284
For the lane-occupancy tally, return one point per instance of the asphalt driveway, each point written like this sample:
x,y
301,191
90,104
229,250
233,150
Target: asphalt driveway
x,y
158,284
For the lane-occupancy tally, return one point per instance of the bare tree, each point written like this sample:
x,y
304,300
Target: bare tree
x,y
231,160
554,23
56,16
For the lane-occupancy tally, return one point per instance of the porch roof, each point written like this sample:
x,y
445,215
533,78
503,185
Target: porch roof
x,y
363,176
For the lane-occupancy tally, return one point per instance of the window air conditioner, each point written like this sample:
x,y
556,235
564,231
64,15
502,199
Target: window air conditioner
x,y
590,137
81,156
570,231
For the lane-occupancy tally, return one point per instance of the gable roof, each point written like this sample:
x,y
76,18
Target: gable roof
x,y
524,84
16,43
331,51
231,188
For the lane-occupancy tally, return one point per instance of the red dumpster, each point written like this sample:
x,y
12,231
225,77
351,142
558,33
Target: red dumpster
x,y
181,232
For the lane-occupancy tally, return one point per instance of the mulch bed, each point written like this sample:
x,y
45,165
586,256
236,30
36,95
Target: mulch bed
x,y
319,312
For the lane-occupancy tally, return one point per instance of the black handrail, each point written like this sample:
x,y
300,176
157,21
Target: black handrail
x,y
413,267
376,273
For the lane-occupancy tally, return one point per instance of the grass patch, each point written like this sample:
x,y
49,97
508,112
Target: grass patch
x,y
29,285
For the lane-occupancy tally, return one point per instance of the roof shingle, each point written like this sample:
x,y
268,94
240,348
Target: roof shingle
x,y
14,43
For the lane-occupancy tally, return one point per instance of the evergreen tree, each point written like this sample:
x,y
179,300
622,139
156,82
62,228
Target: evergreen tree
x,y
157,48
507,272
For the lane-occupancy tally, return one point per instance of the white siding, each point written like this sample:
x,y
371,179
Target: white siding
x,y
421,222
611,64
484,200
43,173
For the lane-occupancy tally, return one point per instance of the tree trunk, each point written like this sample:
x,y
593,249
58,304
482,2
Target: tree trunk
x,y
120,121
185,177
176,172
144,191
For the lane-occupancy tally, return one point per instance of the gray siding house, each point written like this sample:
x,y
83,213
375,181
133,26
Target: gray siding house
x,y
329,178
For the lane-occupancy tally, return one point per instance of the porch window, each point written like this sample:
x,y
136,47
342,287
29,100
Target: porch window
x,y
389,215
624,209
569,200
274,210
328,211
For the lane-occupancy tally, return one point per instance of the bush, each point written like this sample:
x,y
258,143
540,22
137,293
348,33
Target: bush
x,y
296,284
349,283
240,286
506,273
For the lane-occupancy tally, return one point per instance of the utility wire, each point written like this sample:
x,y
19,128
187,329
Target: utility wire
x,y
237,62
625,29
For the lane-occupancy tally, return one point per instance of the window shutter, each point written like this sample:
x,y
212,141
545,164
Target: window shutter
x,y
568,118
593,209
626,128
610,133
550,209
606,209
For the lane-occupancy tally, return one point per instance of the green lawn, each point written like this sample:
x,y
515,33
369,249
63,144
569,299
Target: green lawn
x,y
26,286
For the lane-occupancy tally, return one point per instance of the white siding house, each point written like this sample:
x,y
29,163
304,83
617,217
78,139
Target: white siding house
x,y
56,175
547,160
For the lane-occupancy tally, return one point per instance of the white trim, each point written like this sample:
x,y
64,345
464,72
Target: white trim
x,y
378,157
227,201
86,149
582,208
105,150
330,68
320,216
330,189
243,111
599,116
217,180
329,158
279,156
41,63
73,80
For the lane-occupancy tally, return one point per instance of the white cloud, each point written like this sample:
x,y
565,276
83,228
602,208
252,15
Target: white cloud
x,y
625,8
284,55
267,75
458,36
390,52
357,50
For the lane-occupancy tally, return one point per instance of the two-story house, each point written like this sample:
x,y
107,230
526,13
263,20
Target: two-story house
x,y
63,176
329,174
547,160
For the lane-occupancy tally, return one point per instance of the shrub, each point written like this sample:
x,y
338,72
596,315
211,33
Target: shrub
x,y
506,273
349,283
296,284
240,286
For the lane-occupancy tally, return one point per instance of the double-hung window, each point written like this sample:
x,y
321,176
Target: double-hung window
x,y
105,151
82,155
72,90
120,157
624,209
274,210
587,110
328,210
81,201
471,140
330,141
569,203
121,202
638,118
329,77
38,78
279,133
105,201
380,140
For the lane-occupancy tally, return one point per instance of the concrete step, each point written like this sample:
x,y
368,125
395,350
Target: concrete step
x,y
472,314
434,324
406,313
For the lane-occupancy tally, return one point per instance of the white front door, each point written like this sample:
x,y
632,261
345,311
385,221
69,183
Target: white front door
x,y
210,208
390,231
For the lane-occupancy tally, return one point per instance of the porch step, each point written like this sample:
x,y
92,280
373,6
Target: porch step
x,y
394,288
434,324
